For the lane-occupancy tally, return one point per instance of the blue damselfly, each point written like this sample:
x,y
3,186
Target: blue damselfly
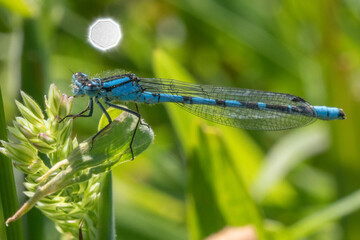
x,y
236,107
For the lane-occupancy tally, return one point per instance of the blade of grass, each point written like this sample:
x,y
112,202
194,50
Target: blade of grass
x,y
34,60
217,194
166,67
316,221
288,153
9,202
34,72
147,225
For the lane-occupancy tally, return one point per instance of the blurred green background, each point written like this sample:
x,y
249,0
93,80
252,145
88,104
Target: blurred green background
x,y
199,177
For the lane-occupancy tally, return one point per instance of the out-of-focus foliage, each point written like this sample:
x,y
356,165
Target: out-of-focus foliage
x,y
199,177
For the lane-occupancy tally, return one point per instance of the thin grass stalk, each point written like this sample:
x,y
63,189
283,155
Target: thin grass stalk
x,y
8,198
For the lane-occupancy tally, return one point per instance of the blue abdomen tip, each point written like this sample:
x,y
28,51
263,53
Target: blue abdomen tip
x,y
329,113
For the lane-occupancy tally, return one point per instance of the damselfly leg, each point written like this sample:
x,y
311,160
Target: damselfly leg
x,y
136,127
141,123
101,130
90,107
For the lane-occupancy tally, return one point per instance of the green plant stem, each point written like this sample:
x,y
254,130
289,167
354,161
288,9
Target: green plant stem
x,y
9,203
106,226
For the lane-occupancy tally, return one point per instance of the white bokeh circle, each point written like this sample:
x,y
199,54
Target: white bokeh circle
x,y
105,34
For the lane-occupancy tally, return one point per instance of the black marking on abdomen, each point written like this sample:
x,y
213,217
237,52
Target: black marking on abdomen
x,y
187,99
280,108
220,102
302,110
250,105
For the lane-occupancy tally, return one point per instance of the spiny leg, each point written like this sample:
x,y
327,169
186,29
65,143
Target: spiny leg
x,y
141,123
108,118
137,124
89,106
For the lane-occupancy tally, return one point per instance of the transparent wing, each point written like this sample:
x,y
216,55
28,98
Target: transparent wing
x,y
242,117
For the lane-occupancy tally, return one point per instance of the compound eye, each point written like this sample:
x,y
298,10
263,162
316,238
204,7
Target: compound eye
x,y
80,77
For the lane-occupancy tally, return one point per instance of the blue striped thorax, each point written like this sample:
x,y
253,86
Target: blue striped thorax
x,y
83,86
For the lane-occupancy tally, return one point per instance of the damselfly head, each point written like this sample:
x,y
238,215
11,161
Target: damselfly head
x,y
83,86
80,80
